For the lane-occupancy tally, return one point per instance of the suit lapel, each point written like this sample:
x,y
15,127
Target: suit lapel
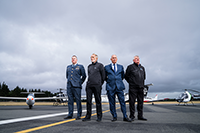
x,y
118,68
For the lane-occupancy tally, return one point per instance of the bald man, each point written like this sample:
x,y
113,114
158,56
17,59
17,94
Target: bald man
x,y
115,86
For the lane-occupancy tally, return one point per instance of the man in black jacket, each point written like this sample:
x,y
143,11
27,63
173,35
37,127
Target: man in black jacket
x,y
96,77
135,76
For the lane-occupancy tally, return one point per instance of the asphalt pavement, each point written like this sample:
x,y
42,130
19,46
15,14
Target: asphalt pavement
x,y
162,118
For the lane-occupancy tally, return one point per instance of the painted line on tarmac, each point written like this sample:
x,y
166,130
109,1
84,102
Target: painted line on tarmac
x,y
34,117
55,124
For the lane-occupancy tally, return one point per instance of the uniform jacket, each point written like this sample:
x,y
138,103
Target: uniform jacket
x,y
76,75
96,74
135,75
114,79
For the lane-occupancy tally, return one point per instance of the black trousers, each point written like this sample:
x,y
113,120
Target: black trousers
x,y
96,90
136,92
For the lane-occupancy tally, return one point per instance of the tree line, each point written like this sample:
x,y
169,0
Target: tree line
x,y
16,92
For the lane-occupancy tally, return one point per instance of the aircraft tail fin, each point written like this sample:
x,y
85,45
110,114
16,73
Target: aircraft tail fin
x,y
156,97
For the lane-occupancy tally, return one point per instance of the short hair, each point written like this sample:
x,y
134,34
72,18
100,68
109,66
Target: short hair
x,y
136,56
95,55
74,56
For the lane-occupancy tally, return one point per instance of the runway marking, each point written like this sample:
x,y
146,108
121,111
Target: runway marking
x,y
55,124
34,117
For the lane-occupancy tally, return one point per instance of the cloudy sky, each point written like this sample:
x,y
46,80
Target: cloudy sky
x,y
38,38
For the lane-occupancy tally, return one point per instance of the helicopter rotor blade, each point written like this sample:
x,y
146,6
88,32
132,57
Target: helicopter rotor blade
x,y
194,90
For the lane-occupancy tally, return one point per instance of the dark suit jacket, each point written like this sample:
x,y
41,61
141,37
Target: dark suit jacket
x,y
76,75
114,79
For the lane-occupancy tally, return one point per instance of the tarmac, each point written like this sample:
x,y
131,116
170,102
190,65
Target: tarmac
x,y
162,118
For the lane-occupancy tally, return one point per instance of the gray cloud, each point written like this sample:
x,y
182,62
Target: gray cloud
x,y
38,38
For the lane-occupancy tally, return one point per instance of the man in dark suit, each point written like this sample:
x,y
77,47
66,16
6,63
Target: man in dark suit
x,y
96,77
75,75
115,86
135,76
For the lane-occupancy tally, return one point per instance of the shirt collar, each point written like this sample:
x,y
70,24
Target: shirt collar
x,y
74,64
113,64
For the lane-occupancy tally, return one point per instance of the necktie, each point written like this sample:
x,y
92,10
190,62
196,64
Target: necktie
x,y
114,68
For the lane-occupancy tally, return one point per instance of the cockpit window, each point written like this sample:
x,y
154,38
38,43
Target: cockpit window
x,y
183,95
31,95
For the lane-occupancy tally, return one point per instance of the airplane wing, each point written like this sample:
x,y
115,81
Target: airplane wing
x,y
153,100
14,98
48,98
40,98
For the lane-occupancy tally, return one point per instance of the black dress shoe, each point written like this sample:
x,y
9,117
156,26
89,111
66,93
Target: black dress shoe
x,y
114,119
142,118
86,119
68,117
127,119
98,119
78,118
132,118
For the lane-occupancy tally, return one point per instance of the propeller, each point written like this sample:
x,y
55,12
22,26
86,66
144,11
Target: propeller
x,y
149,84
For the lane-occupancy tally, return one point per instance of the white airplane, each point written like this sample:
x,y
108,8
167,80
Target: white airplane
x,y
146,99
186,96
104,98
30,99
151,99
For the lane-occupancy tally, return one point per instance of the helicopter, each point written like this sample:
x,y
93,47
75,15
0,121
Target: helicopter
x,y
63,98
187,96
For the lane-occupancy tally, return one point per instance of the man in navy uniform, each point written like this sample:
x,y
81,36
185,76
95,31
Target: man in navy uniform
x,y
115,86
135,76
75,75
96,77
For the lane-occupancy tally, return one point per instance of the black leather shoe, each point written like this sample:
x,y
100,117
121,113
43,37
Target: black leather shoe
x,y
127,119
142,118
98,119
132,118
78,118
86,119
114,119
68,117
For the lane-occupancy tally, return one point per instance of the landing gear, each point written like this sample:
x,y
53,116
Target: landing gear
x,y
30,106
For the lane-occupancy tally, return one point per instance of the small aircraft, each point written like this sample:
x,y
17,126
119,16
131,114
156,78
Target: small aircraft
x,y
63,98
104,98
146,98
30,99
146,88
151,99
186,96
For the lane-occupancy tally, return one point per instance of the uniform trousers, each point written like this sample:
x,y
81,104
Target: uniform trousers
x,y
74,92
136,92
96,90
